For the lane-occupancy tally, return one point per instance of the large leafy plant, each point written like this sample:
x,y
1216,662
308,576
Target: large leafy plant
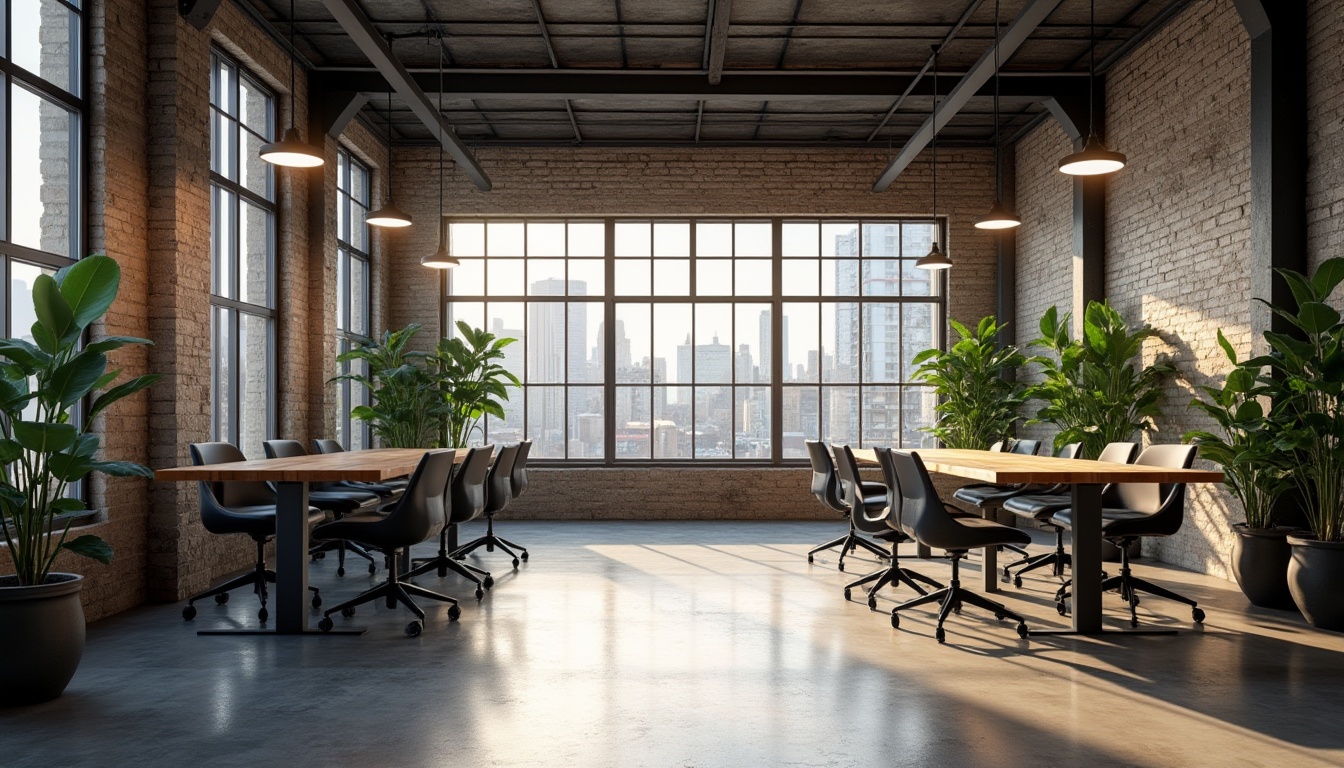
x,y
406,409
1095,388
1307,388
978,401
44,449
472,379
1255,469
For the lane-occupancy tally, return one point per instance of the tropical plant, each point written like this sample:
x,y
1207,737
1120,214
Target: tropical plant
x,y
472,380
44,448
1094,390
978,400
406,409
1306,386
1254,468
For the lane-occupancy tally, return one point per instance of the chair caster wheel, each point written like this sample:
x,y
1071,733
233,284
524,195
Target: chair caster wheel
x,y
414,629
347,613
895,620
872,602
841,567
317,601
809,558
221,598
1197,615
453,613
1000,615
1017,582
515,562
940,635
372,569
847,593
1061,608
480,593
956,608
1007,576
524,556
326,624
1022,631
263,615
189,612
320,556
488,582
340,571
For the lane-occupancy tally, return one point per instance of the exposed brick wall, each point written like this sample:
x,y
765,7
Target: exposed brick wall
x,y
1178,227
1325,132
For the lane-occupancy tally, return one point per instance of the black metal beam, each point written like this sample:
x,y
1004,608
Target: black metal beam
x,y
1032,15
1278,33
1089,201
650,85
330,111
717,48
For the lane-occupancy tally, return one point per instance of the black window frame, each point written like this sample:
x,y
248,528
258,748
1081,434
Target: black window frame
x,y
348,256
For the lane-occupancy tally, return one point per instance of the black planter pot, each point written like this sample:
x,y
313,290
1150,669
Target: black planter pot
x,y
1260,558
41,638
1315,576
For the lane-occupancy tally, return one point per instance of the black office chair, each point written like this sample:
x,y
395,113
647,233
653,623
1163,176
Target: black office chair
x,y
388,489
924,517
874,515
990,496
415,518
239,507
332,497
507,477
826,487
1042,505
467,497
1132,511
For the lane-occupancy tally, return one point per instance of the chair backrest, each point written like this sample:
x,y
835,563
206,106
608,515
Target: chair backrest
x,y
1154,497
1025,447
1119,453
1070,451
825,485
500,486
868,514
283,449
893,483
235,493
467,491
998,446
420,512
923,515
325,445
518,480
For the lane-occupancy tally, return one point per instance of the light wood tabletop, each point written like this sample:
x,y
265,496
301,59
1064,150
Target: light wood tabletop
x,y
362,466
1013,468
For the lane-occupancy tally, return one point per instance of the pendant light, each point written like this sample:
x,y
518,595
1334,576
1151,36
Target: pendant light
x,y
291,150
999,217
440,259
389,215
936,258
1094,159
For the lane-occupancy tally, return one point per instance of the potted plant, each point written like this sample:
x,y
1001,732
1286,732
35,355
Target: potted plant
x,y
472,380
1254,470
1307,388
978,399
46,449
406,410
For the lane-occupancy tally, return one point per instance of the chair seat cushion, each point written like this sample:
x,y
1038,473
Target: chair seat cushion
x,y
371,529
1037,505
258,520
344,502
1109,517
975,532
980,495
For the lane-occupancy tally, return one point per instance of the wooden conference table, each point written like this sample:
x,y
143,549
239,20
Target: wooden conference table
x,y
291,477
1087,479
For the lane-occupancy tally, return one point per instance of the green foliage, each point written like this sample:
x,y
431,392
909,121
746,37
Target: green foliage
x,y
472,380
1094,390
406,408
1306,386
1254,469
42,449
977,401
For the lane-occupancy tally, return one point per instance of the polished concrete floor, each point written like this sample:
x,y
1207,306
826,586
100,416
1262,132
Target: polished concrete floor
x,y
693,644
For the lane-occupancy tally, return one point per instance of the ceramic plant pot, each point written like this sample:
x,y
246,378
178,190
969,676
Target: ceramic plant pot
x,y
1260,559
1316,579
41,637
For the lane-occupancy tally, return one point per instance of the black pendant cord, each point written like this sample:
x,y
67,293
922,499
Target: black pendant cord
x,y
440,118
998,140
293,103
389,146
1092,70
935,140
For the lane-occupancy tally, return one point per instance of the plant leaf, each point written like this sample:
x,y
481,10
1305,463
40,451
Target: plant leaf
x,y
89,286
121,468
72,381
92,547
115,342
43,437
123,389
1328,276
54,314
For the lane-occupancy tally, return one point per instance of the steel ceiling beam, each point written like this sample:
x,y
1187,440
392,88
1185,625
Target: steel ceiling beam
x,y
352,19
720,11
1026,22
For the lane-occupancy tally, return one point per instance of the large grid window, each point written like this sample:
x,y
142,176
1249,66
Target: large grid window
x,y
242,251
41,111
352,291
696,309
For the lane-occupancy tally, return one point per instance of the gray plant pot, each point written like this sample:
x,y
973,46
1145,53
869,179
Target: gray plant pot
x,y
1260,558
1315,574
41,637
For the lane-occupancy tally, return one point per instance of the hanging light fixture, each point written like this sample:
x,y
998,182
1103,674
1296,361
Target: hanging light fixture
x,y
1094,159
389,215
999,217
291,150
936,258
440,259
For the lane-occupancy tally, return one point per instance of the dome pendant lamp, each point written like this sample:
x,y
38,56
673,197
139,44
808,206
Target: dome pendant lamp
x,y
998,217
389,215
291,150
1094,159
440,259
936,258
